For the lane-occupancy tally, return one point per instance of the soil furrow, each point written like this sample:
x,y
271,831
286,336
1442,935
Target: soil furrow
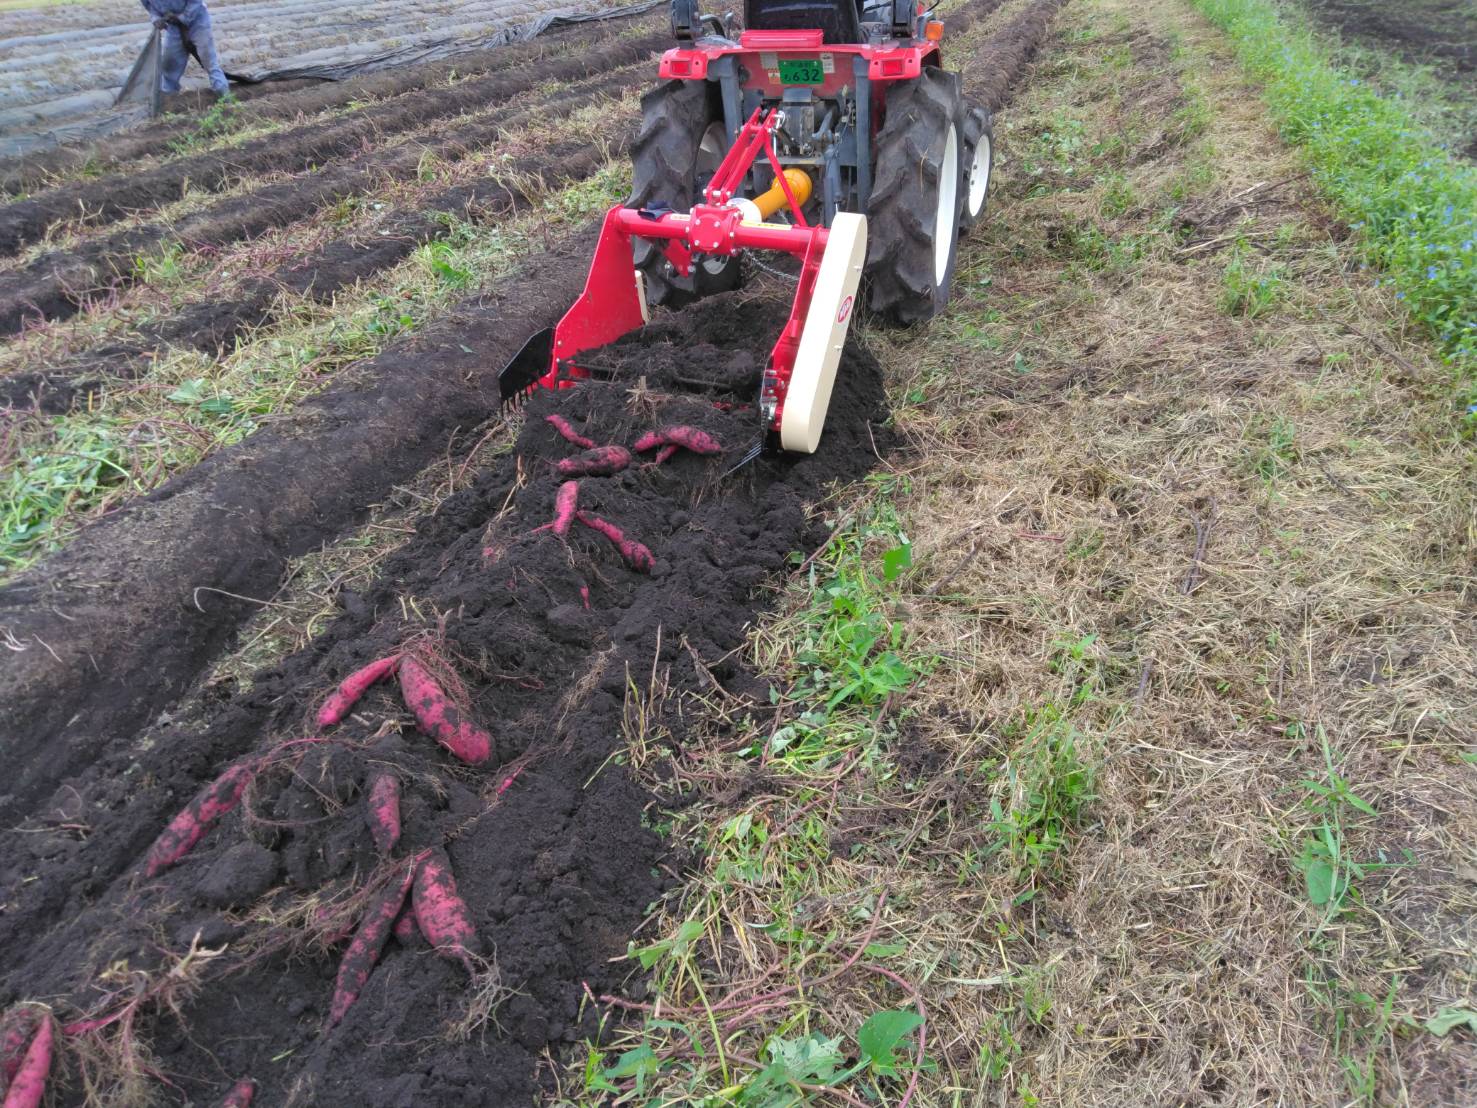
x,y
120,601
211,327
55,285
113,198
552,849
557,870
269,103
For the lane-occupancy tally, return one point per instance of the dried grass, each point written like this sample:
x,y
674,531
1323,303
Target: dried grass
x,y
1205,542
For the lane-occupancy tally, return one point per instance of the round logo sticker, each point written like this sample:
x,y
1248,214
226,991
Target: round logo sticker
x,y
845,310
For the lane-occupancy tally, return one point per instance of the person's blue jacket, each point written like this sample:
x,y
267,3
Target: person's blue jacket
x,y
169,9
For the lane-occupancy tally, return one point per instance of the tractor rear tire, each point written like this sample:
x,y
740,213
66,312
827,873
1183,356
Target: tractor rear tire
x,y
671,163
913,213
977,133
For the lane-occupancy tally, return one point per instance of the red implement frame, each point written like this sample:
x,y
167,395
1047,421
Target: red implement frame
x,y
610,305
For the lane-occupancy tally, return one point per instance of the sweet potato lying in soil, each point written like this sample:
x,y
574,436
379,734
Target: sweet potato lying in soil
x,y
369,943
599,462
440,912
688,438
636,555
241,1094
567,431
337,706
16,1029
27,1086
566,502
407,932
199,816
383,810
439,717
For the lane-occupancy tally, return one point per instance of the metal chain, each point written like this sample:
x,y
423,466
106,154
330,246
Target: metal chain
x,y
752,257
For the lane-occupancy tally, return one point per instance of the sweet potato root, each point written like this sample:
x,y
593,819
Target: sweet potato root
x,y
635,554
407,933
599,462
241,1095
440,912
369,943
337,706
382,810
567,431
199,816
16,1031
688,438
439,717
28,1086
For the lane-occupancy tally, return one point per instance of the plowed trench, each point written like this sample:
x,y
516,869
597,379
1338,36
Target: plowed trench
x,y
557,868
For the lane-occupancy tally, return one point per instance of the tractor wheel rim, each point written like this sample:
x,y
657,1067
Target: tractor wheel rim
x,y
710,152
979,176
948,199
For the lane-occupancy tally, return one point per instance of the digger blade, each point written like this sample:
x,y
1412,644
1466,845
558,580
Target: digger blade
x,y
518,378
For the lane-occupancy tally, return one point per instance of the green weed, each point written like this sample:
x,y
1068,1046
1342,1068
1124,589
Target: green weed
x,y
1411,202
161,269
221,119
1048,785
1247,291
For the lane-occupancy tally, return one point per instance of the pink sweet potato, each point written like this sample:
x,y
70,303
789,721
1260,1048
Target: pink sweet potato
x,y
28,1086
635,554
565,505
688,438
241,1095
382,810
199,816
440,911
599,462
16,1030
337,706
407,933
566,429
664,453
439,717
369,943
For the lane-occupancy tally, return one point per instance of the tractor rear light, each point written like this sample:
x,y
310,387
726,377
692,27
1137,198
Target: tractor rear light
x,y
933,30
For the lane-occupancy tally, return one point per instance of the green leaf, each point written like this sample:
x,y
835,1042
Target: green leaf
x,y
1448,1019
1319,877
638,1063
189,392
881,1035
896,560
885,950
813,1058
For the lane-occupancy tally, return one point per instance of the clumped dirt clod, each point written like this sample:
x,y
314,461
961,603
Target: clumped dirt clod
x,y
547,845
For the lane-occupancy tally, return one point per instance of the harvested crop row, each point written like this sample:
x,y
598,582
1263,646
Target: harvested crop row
x,y
103,201
539,855
55,285
266,104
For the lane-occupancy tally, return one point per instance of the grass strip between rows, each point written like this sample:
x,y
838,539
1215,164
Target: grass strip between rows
x,y
1412,203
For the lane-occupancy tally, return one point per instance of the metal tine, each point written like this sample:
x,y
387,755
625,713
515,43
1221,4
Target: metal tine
x,y
749,455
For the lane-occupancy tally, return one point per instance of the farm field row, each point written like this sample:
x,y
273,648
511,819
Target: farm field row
x,y
1088,721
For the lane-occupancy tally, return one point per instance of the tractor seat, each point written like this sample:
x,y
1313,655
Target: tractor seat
x,y
838,21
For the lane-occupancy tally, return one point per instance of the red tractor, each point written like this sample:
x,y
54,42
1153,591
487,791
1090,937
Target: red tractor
x,y
826,130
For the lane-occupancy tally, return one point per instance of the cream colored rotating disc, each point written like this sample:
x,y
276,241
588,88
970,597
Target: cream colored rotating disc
x,y
832,305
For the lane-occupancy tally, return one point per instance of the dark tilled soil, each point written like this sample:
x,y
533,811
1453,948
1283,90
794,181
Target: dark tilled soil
x,y
118,624
56,284
1442,31
301,100
298,150
215,325
557,870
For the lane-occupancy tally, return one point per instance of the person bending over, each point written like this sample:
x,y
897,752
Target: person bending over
x,y
185,23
